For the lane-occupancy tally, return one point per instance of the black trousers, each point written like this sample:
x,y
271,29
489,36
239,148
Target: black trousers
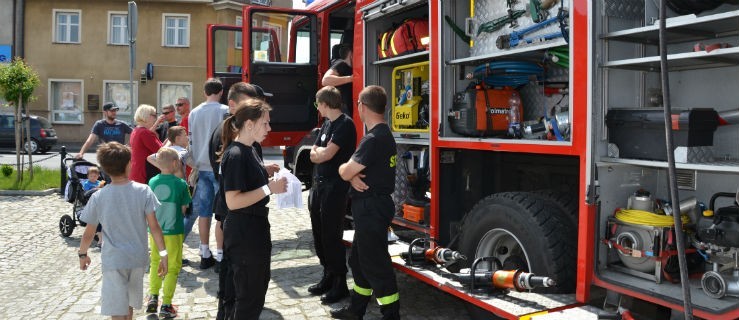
x,y
370,260
247,246
225,290
327,206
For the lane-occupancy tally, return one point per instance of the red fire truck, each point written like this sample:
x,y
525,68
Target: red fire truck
x,y
531,141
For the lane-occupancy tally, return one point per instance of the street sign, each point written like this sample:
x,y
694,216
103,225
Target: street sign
x,y
5,53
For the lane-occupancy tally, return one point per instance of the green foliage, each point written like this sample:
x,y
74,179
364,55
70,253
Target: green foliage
x,y
7,170
42,179
17,79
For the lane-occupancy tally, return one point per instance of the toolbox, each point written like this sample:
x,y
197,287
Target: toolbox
x,y
640,134
410,104
416,214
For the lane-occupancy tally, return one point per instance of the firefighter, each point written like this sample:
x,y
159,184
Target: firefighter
x,y
246,237
327,202
371,173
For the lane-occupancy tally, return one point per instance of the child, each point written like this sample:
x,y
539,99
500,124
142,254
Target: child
x,y
92,182
174,196
124,257
176,139
90,186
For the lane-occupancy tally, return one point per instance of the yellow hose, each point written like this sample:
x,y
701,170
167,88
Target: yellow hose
x,y
647,218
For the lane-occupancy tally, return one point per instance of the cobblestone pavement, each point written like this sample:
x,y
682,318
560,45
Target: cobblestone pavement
x,y
40,276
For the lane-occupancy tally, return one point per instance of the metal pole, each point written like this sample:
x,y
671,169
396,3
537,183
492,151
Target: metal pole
x,y
132,27
63,155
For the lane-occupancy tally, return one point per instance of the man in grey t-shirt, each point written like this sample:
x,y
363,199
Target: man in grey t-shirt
x,y
107,130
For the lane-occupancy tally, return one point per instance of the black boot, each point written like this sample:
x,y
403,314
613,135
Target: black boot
x,y
355,310
338,290
322,286
391,311
344,313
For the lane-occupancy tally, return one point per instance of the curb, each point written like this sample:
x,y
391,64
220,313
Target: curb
x,y
15,193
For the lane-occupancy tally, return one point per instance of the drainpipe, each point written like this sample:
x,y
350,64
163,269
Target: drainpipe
x,y
18,18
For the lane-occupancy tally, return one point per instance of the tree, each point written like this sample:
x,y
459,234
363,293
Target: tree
x,y
17,82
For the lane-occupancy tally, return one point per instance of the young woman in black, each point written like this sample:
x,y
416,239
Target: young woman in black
x,y
247,241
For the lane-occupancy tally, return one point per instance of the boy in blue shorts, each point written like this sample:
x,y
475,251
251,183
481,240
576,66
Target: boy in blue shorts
x,y
125,255
174,195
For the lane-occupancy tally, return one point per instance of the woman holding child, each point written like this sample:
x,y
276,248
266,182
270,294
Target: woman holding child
x,y
247,239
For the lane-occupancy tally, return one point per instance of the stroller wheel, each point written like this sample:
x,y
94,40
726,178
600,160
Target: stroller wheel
x,y
66,225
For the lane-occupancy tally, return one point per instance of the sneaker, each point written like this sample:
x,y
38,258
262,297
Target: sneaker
x,y
151,306
206,263
168,311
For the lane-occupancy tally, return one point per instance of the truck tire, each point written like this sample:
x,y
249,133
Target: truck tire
x,y
565,201
524,232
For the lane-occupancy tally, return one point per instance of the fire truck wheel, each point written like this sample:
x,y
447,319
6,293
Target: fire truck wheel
x,y
565,201
524,232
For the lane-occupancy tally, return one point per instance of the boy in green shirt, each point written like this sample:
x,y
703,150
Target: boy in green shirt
x,y
174,196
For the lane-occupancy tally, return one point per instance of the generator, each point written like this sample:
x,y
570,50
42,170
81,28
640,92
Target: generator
x,y
410,98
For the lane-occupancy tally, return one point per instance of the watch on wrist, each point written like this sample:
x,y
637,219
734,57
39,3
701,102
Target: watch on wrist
x,y
82,255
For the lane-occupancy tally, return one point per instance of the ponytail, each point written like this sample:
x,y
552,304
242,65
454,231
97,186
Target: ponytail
x,y
249,109
228,134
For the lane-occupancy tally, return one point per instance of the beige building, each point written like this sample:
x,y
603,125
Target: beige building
x,y
80,50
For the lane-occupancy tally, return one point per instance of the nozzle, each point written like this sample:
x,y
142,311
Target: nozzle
x,y
444,255
539,281
520,280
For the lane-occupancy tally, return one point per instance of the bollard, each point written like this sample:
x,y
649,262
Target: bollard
x,y
63,155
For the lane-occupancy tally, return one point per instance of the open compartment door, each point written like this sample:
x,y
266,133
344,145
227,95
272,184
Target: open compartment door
x,y
283,60
224,56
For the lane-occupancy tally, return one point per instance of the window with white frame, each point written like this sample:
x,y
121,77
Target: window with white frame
x,y
169,92
237,35
65,101
119,93
117,28
175,30
67,25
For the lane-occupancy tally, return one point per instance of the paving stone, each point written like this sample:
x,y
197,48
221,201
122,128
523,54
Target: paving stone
x,y
40,276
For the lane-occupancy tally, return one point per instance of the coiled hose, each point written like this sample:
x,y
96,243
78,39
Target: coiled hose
x,y
508,73
647,218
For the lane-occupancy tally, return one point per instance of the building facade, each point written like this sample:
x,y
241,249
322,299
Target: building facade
x,y
80,50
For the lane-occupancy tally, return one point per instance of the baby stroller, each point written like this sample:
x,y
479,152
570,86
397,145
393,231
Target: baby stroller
x,y
75,194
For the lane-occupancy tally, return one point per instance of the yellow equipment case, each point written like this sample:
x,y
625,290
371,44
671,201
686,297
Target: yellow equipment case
x,y
410,104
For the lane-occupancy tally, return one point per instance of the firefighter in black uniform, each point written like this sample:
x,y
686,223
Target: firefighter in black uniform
x,y
247,241
238,93
371,173
335,144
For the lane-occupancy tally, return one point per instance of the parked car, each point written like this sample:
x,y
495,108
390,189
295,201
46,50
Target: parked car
x,y
43,136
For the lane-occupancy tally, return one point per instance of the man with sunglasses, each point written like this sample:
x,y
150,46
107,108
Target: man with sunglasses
x,y
169,120
107,129
183,109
